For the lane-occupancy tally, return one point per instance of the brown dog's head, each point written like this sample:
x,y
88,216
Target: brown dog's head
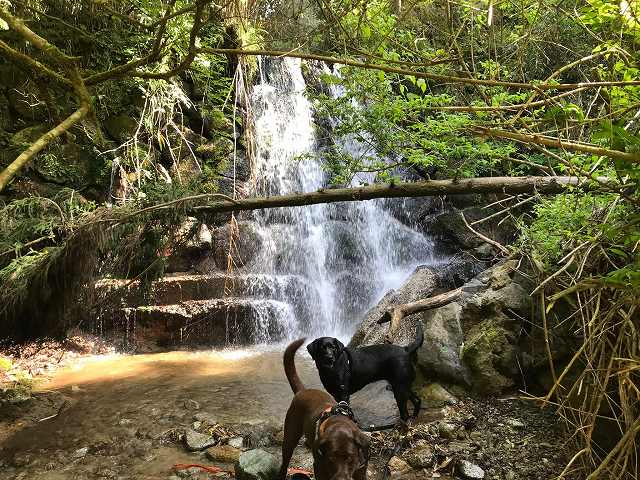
x,y
340,453
325,351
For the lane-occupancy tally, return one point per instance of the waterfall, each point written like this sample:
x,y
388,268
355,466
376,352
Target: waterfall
x,y
343,256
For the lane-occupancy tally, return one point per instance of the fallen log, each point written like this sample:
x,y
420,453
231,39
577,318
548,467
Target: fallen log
x,y
483,185
396,313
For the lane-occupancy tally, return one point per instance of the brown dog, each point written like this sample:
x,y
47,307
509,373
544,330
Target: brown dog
x,y
340,449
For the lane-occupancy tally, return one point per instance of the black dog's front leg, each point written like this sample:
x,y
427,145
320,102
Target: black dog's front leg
x,y
342,395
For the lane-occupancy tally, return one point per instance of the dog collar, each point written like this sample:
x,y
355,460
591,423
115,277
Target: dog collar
x,y
340,408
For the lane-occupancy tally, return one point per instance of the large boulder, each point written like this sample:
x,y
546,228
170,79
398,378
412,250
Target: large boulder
x,y
439,356
421,284
473,341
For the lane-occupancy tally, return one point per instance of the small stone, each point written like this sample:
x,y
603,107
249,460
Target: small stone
x,y
256,465
511,475
190,404
205,417
447,430
434,396
236,442
196,425
187,472
397,466
81,452
512,422
223,454
75,388
124,421
420,457
197,441
469,470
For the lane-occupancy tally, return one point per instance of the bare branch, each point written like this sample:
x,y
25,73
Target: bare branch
x,y
558,143
414,73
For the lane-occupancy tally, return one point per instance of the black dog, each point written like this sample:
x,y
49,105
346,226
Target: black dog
x,y
344,371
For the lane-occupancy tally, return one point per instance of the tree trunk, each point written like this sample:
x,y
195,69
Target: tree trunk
x,y
506,185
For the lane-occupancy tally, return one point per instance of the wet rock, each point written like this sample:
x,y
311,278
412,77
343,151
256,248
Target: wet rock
x,y
247,244
469,470
206,418
196,441
236,442
398,467
434,395
190,404
420,457
223,454
256,465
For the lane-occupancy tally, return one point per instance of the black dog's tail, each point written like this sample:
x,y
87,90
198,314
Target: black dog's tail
x,y
290,365
417,343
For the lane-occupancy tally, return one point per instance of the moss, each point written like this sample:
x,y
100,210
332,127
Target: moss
x,y
487,349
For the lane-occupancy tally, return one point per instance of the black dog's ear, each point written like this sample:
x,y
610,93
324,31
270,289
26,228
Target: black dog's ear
x,y
338,345
312,348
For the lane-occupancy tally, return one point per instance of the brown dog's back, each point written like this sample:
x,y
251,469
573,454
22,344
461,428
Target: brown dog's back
x,y
290,365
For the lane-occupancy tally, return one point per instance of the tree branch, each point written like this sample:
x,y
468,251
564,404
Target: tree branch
x,y
484,238
397,313
35,66
414,73
558,143
510,185
18,164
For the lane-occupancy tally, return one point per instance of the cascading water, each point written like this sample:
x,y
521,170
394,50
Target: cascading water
x,y
344,256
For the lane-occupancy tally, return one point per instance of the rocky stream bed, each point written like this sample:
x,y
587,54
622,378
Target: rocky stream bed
x,y
138,416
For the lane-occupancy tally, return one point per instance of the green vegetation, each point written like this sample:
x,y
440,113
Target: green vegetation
x,y
427,89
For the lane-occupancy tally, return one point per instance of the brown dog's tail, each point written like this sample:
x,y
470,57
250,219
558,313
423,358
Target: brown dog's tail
x,y
290,365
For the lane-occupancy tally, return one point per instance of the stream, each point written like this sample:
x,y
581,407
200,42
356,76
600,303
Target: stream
x,y
126,403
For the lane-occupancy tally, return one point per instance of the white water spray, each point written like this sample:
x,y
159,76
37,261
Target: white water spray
x,y
346,255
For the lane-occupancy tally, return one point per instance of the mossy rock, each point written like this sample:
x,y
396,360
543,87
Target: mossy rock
x,y
217,150
25,102
120,127
216,120
63,165
25,137
490,352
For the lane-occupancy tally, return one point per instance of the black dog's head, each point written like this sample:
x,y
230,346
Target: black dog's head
x,y
325,351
